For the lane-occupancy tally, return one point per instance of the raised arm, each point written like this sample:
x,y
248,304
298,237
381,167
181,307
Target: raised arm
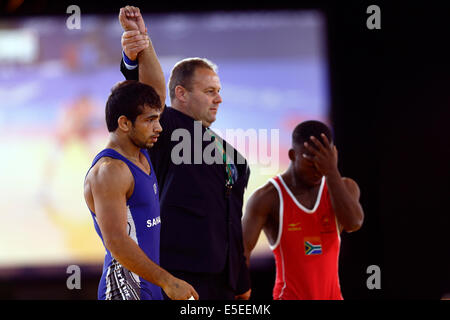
x,y
344,192
138,46
110,184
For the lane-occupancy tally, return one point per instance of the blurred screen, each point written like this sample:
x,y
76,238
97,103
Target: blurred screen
x,y
54,83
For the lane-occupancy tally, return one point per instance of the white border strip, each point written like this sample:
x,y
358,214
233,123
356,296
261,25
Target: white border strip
x,y
319,195
280,220
133,235
284,277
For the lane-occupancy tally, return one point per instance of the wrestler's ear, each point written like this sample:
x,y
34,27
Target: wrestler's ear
x,y
291,154
124,124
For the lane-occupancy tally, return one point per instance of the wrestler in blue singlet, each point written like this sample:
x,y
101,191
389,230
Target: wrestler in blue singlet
x,y
144,224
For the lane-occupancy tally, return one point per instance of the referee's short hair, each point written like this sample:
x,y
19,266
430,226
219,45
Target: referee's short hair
x,y
183,71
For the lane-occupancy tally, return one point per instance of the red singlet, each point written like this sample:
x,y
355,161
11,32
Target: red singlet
x,y
307,248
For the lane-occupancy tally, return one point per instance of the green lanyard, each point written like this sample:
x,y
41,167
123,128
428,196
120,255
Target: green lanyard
x,y
224,156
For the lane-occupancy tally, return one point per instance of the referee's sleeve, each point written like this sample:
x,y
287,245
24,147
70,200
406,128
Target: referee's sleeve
x,y
132,74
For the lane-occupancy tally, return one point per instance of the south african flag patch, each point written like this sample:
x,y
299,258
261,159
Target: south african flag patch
x,y
313,245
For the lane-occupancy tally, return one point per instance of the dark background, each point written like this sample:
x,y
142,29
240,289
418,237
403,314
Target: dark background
x,y
390,98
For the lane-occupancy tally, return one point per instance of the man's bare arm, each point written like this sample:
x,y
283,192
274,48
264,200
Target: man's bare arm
x,y
257,211
150,70
110,185
255,217
344,192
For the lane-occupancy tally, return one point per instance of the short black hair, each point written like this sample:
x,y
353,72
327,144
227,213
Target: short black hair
x,y
128,99
306,129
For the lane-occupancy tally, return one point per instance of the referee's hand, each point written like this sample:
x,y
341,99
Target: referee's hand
x,y
244,296
134,42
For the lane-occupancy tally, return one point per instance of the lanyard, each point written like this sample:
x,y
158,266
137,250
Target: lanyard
x,y
228,169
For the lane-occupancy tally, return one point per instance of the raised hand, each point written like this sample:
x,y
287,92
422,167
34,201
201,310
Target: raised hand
x,y
134,42
324,156
131,19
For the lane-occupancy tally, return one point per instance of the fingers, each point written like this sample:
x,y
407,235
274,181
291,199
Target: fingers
x,y
134,38
132,52
182,291
308,157
131,12
319,146
317,143
139,45
327,143
130,33
135,49
311,149
139,39
194,294
122,17
134,35
243,296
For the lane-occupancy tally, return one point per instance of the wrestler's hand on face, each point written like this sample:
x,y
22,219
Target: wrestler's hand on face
x,y
324,156
131,19
133,42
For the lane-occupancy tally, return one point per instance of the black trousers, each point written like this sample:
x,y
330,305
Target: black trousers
x,y
209,286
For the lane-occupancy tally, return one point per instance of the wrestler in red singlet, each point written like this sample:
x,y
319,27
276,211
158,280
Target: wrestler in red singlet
x,y
302,213
307,248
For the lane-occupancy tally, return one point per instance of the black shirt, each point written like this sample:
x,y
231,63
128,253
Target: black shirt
x,y
201,228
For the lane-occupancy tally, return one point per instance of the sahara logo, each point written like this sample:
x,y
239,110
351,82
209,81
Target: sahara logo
x,y
153,222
